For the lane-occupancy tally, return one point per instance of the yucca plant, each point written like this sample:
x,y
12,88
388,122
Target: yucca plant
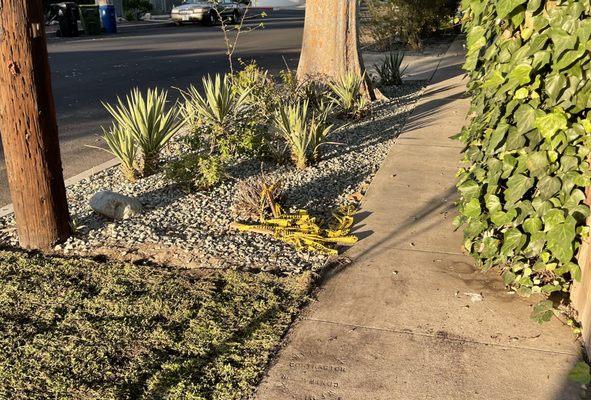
x,y
148,122
304,133
217,107
347,94
122,145
389,70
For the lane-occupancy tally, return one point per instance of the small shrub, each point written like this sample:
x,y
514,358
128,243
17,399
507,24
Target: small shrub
x,y
195,170
346,94
304,133
390,71
122,145
259,89
262,98
290,86
134,9
146,120
224,126
211,171
407,21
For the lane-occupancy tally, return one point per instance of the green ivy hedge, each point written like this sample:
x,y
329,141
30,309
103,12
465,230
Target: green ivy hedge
x,y
528,143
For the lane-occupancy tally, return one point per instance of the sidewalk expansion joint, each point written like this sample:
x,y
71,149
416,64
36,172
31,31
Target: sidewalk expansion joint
x,y
441,337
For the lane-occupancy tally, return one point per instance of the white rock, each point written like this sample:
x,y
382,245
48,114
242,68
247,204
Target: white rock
x,y
114,205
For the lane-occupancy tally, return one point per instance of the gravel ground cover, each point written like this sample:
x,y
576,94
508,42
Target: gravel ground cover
x,y
192,229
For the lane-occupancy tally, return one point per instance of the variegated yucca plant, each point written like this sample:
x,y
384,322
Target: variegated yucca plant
x,y
303,131
147,121
217,107
347,94
122,145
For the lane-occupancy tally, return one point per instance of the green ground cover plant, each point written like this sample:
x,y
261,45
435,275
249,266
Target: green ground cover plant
x,y
82,329
527,145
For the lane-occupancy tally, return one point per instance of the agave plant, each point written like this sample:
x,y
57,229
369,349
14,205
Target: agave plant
x,y
390,71
346,93
303,133
122,145
255,196
148,122
217,107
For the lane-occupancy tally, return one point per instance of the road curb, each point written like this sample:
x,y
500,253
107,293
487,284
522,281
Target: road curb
x,y
8,209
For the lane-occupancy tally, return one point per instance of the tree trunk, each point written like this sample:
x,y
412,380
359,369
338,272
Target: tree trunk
x,y
330,47
29,128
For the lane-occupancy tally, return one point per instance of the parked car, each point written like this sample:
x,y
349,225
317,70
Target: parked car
x,y
208,12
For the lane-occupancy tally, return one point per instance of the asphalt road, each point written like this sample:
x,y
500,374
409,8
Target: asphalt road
x,y
87,71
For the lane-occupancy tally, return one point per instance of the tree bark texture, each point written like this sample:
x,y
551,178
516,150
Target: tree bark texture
x,y
28,127
330,46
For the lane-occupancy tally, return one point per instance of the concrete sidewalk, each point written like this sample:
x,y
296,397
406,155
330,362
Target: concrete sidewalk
x,y
411,318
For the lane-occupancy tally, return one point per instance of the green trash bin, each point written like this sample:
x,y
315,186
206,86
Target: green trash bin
x,y
91,19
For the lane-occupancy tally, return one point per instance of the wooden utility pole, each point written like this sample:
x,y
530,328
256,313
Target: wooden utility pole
x,y
330,47
28,127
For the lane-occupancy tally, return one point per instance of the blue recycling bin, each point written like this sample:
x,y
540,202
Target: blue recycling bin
x,y
108,18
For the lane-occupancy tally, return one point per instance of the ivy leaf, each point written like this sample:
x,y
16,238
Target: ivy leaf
x,y
513,239
575,271
548,186
532,225
536,244
520,75
474,36
517,185
474,228
562,40
550,288
506,7
508,277
553,218
576,197
549,124
469,189
581,373
494,81
554,84
500,218
472,209
560,239
490,247
525,117
521,94
537,162
543,311
493,203
570,57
